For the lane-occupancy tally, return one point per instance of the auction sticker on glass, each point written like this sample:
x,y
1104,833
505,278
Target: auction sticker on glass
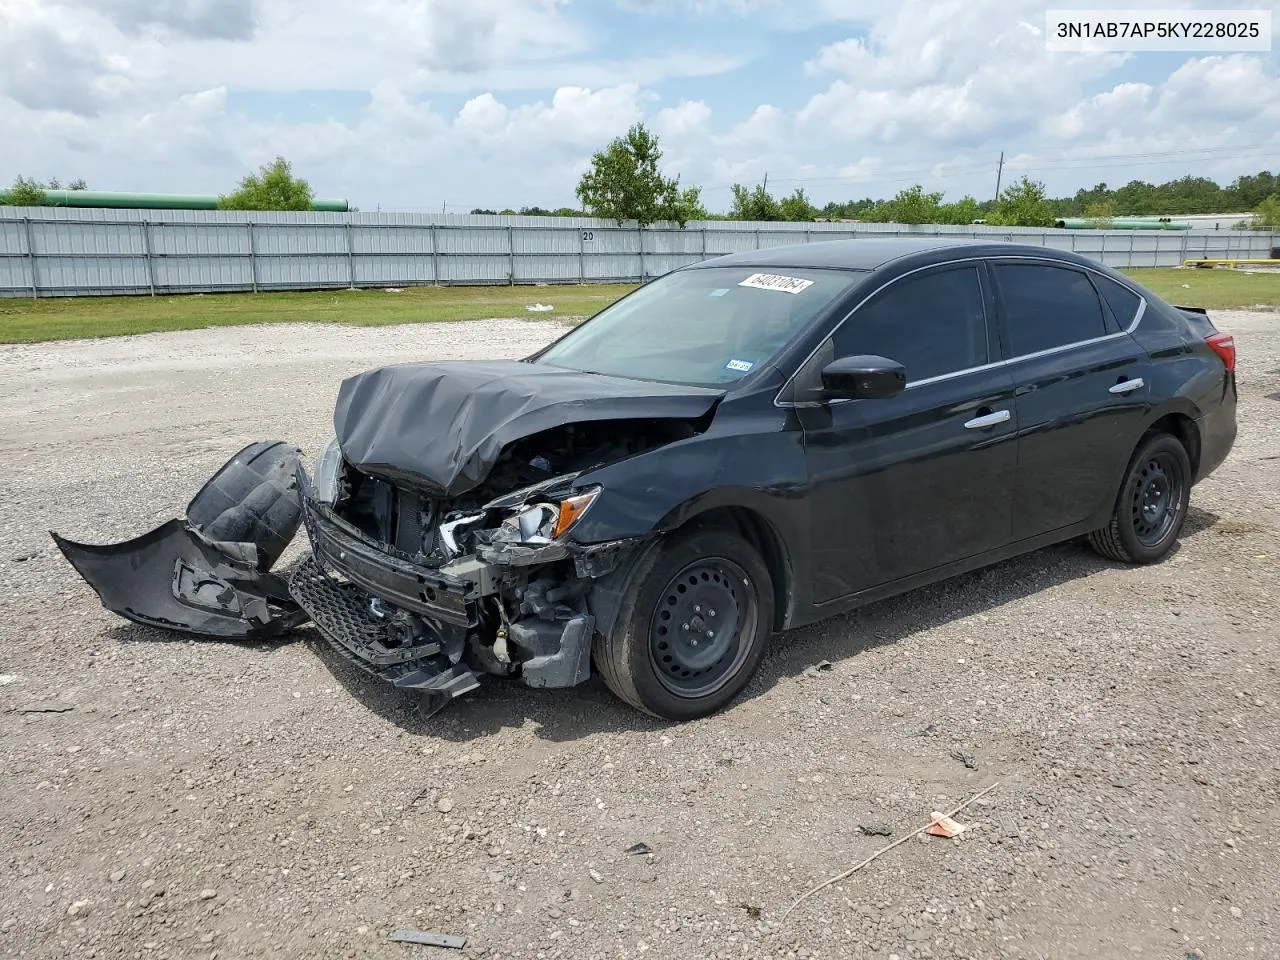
x,y
1145,31
774,281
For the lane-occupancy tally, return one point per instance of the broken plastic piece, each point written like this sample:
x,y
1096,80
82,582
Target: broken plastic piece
x,y
813,669
965,757
944,826
208,574
427,938
638,850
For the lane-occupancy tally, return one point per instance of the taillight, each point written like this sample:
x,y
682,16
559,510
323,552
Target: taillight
x,y
1224,345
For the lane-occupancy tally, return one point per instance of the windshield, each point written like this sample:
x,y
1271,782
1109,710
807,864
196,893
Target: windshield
x,y
709,326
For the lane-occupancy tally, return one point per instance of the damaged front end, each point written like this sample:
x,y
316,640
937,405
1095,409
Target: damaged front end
x,y
430,592
426,593
439,519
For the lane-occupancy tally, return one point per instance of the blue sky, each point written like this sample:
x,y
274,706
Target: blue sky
x,y
424,104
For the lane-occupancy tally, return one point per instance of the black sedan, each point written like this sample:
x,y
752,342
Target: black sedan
x,y
735,449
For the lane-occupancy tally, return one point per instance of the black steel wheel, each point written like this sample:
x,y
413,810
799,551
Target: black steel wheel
x,y
1156,498
1152,504
692,627
696,629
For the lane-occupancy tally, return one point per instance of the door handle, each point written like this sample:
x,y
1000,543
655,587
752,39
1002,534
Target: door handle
x,y
1128,386
987,420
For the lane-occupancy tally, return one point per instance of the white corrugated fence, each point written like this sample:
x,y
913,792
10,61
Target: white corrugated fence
x,y
64,251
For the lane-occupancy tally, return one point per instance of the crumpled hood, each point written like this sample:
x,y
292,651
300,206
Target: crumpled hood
x,y
442,426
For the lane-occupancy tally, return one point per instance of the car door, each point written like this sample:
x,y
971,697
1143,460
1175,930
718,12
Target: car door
x,y
1082,388
911,482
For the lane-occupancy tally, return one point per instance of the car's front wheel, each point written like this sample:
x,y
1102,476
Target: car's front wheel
x,y
692,628
1152,504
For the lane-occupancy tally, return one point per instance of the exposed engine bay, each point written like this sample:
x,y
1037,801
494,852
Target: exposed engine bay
x,y
428,571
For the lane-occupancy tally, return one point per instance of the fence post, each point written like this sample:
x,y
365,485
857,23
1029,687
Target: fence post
x,y
511,253
253,257
31,259
640,235
351,258
435,256
757,238
582,256
146,247
704,241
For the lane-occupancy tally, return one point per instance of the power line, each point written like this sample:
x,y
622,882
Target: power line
x,y
1054,163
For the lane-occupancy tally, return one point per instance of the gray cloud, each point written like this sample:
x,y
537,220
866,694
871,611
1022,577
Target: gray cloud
x,y
45,71
198,19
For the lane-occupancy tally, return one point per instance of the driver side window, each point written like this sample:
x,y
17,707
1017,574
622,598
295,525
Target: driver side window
x,y
932,324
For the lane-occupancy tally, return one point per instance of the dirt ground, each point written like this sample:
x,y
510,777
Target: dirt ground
x,y
206,800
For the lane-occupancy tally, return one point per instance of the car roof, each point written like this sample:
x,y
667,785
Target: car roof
x,y
870,253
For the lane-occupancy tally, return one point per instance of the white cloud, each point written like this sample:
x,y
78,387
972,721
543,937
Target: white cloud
x,y
502,102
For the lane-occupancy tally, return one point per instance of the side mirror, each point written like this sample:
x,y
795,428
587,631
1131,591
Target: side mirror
x,y
863,378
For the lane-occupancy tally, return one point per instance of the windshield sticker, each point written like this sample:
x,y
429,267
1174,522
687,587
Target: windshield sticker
x,y
719,293
739,366
773,281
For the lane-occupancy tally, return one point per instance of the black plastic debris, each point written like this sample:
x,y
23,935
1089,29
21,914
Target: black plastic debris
x,y
965,757
876,829
639,850
46,707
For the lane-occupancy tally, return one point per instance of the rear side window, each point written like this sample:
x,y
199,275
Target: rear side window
x,y
1122,301
1048,307
931,324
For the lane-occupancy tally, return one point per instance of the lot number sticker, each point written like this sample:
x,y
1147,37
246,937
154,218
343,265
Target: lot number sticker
x,y
773,281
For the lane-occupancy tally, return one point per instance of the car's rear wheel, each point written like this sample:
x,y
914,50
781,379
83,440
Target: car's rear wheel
x,y
692,628
1152,504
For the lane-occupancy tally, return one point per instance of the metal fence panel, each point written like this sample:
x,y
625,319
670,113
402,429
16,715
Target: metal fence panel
x,y
58,251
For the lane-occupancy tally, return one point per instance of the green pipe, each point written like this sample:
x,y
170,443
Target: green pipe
x,y
157,201
1117,223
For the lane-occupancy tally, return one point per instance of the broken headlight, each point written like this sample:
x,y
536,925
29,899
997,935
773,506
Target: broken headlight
x,y
544,522
328,473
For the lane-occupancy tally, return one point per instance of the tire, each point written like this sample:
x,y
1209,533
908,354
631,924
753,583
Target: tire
x,y
666,655
1151,505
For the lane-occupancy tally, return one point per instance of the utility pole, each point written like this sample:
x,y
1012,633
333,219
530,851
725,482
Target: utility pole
x,y
766,181
999,172
444,205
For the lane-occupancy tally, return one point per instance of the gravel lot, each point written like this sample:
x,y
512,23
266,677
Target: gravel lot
x,y
237,801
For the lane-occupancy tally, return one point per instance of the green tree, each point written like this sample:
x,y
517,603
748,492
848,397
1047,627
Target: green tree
x,y
1023,204
796,207
24,193
913,205
965,210
273,187
753,204
1100,213
30,193
1268,213
624,183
